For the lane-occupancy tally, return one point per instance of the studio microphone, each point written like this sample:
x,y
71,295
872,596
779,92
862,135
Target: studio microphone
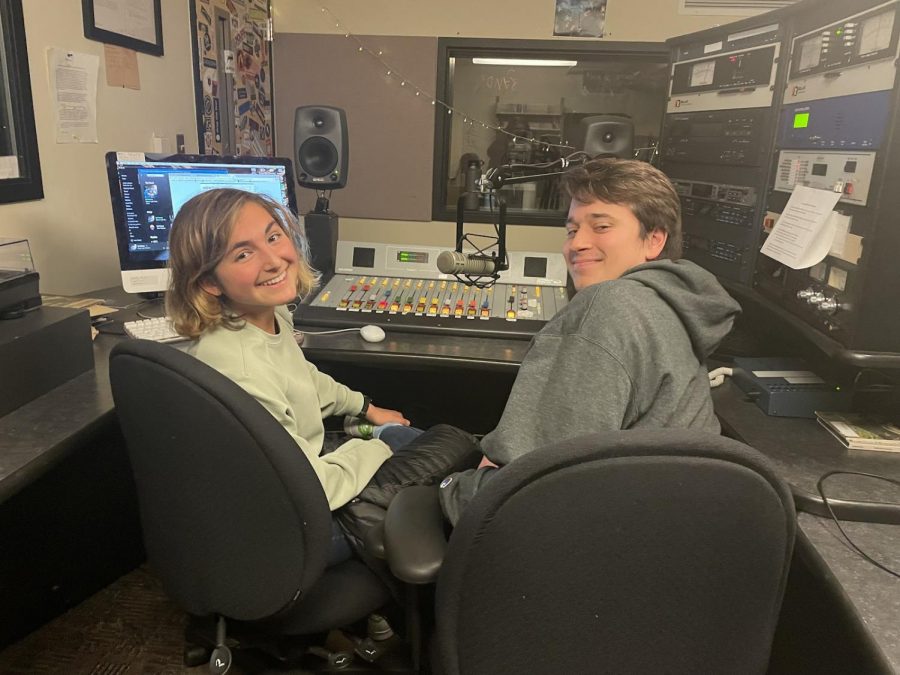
x,y
454,262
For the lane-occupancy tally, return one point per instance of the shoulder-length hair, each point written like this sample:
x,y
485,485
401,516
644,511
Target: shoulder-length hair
x,y
197,244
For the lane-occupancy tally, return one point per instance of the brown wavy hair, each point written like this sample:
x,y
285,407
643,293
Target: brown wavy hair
x,y
644,189
197,244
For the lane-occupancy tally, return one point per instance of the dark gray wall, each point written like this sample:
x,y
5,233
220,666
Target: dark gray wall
x,y
391,130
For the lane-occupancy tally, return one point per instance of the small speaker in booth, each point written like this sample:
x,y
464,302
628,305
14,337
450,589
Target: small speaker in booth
x,y
607,135
320,147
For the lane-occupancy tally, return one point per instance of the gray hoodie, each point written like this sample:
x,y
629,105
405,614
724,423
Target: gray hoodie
x,y
623,354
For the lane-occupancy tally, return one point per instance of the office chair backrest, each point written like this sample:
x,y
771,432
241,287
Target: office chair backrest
x,y
235,521
626,552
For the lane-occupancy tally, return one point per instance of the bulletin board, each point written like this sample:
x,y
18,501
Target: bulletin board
x,y
233,77
390,129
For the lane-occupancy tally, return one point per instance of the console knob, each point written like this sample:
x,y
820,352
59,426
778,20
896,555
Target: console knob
x,y
816,298
829,305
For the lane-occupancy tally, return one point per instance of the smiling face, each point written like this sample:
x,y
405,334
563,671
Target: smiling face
x,y
259,270
604,240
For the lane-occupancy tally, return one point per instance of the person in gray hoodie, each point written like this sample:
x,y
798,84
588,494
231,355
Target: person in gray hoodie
x,y
629,350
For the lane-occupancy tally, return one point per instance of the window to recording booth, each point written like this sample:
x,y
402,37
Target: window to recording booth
x,y
521,102
20,169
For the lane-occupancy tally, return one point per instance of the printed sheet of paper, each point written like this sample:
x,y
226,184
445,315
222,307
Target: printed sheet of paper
x,y
121,67
9,166
73,85
805,231
134,18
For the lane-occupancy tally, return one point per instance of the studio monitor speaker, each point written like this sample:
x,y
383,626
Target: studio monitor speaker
x,y
607,135
321,150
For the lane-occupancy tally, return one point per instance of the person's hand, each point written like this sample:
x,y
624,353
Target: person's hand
x,y
486,462
379,416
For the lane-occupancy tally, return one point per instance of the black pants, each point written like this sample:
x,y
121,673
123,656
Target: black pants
x,y
426,460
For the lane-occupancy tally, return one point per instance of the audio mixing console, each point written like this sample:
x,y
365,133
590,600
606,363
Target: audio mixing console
x,y
516,307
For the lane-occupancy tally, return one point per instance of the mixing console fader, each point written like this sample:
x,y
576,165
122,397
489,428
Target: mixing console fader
x,y
517,306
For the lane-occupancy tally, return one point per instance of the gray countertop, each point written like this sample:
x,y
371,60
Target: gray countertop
x,y
874,593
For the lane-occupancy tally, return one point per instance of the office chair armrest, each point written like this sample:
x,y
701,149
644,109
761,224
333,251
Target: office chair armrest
x,y
374,540
414,537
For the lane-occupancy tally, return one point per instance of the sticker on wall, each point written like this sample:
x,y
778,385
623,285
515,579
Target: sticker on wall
x,y
205,40
210,81
247,62
580,18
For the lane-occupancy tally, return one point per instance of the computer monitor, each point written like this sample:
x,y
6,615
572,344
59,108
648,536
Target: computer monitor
x,y
147,194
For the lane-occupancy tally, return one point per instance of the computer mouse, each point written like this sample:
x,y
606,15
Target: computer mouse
x,y
371,333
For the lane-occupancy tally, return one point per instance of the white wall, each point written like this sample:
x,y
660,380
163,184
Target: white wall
x,y
70,230
626,20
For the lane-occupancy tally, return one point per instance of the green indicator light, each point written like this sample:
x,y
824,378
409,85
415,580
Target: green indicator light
x,y
801,120
838,31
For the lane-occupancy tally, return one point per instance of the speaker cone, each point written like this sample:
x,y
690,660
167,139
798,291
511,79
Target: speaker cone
x,y
317,156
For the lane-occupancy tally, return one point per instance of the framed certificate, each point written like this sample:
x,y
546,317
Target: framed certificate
x,y
135,24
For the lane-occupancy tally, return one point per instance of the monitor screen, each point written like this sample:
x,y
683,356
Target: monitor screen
x,y
147,194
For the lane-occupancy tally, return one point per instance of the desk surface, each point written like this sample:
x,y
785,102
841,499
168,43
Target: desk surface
x,y
872,592
802,451
37,435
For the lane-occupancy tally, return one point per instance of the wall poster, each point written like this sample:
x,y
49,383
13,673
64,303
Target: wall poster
x,y
233,77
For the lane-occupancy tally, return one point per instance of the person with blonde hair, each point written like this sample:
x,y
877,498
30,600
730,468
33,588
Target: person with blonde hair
x,y
236,260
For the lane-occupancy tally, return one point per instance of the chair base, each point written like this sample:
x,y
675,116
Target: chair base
x,y
337,651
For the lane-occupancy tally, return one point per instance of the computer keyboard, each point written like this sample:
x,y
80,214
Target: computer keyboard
x,y
158,329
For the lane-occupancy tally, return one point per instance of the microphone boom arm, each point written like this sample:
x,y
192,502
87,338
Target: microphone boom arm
x,y
497,178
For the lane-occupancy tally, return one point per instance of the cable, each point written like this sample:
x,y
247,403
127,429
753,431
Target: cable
x,y
326,332
717,376
154,301
821,490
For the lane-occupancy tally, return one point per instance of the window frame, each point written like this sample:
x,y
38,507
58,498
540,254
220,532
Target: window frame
x,y
451,48
29,185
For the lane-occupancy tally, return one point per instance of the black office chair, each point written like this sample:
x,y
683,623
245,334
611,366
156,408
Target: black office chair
x,y
625,552
235,522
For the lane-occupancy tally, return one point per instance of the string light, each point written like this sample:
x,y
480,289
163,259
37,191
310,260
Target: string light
x,y
392,73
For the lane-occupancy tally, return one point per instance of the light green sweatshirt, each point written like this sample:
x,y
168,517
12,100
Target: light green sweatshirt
x,y
273,370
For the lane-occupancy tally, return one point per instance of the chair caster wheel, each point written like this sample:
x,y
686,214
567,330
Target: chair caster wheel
x,y
195,655
335,660
220,660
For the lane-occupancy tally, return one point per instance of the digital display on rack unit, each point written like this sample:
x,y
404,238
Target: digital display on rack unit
x,y
810,53
412,256
876,33
801,120
702,190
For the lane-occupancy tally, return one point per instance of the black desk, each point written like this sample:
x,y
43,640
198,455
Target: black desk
x,y
43,435
68,514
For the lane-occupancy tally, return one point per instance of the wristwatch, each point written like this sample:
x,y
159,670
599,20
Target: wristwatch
x,y
366,402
